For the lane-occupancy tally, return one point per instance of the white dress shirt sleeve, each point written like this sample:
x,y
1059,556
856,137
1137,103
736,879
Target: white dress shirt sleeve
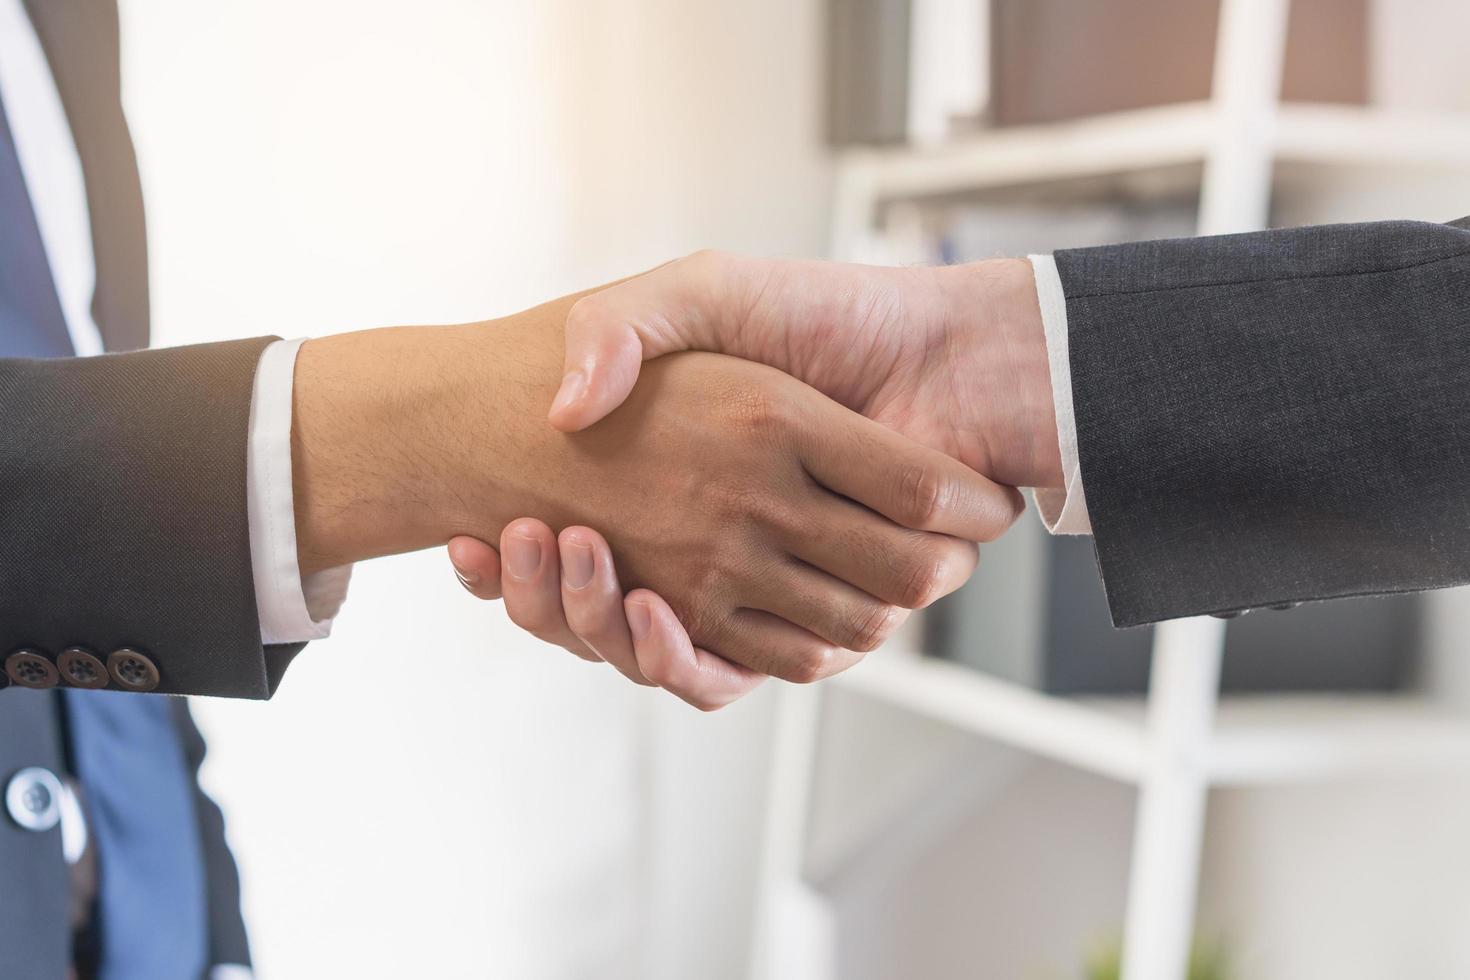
x,y
291,609
1062,511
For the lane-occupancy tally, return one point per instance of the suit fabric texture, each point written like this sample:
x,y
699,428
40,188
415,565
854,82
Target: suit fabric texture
x,y
122,504
1274,417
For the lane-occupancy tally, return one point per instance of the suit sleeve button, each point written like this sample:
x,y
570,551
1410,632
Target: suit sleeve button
x,y
132,670
80,667
29,669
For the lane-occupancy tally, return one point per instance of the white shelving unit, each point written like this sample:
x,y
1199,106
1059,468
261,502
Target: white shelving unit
x,y
1256,740
1180,740
1135,141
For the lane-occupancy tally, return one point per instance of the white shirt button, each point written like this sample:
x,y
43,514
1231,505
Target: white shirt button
x,y
33,799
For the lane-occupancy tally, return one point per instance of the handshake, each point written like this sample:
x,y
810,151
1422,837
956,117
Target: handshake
x,y
773,506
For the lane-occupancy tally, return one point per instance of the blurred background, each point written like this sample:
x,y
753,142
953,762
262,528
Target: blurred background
x,y
434,794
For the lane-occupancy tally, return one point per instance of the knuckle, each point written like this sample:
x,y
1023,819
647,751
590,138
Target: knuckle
x,y
813,664
761,415
924,580
716,497
789,521
706,580
923,494
751,512
996,509
726,497
1001,511
1013,505
876,626
702,616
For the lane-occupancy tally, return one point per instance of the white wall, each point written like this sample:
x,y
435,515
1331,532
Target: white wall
x,y
432,794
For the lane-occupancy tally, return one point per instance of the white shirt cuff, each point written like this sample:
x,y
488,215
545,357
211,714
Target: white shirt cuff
x,y
1062,511
291,610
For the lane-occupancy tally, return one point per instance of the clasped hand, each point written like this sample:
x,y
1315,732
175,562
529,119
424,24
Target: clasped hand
x,y
759,527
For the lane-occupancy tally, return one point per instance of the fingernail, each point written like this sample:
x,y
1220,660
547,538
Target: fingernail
x,y
640,619
572,387
576,564
522,556
468,579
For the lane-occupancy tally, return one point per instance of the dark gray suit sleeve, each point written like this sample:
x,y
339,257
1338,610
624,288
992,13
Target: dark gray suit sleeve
x,y
1273,417
123,517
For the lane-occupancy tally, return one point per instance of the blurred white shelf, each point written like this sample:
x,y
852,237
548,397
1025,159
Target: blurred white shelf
x,y
1257,739
1153,139
1272,739
1354,136
1065,729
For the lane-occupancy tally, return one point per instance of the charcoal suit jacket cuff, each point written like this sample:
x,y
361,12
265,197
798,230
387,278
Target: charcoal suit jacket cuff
x,y
123,513
1273,417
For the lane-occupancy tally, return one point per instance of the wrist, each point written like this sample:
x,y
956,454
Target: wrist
x,y
404,437
996,317
369,409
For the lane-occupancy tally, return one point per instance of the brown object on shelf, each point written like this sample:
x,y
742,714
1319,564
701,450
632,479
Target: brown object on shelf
x,y
1061,59
867,61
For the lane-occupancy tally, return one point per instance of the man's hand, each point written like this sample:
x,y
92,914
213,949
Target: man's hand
x,y
953,357
557,602
782,529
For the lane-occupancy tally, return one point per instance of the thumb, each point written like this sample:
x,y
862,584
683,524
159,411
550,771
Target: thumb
x,y
603,358
609,334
